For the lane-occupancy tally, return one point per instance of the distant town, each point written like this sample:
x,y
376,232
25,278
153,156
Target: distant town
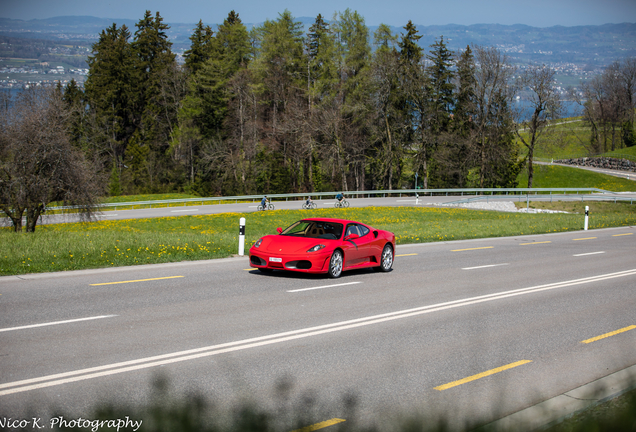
x,y
45,52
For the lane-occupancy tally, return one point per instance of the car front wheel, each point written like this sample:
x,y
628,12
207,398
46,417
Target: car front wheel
x,y
335,264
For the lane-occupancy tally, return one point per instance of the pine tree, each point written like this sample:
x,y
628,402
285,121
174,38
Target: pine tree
x,y
200,48
153,63
73,98
410,51
109,91
441,85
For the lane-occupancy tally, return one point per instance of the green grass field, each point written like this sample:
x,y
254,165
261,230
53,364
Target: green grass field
x,y
556,176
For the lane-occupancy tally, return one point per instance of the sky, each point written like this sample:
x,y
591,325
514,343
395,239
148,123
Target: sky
x,y
536,13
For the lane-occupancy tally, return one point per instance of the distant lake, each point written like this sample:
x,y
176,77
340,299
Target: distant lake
x,y
571,109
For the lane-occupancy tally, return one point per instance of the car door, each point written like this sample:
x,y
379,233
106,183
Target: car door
x,y
361,248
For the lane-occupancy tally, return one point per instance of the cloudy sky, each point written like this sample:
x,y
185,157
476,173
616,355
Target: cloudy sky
x,y
538,13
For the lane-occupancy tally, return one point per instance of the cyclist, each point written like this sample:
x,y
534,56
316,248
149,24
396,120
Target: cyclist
x,y
264,202
308,202
340,197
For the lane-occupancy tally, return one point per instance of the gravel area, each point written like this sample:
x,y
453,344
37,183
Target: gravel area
x,y
505,206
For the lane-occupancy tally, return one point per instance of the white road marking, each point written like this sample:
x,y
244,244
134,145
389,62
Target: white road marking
x,y
56,323
164,359
589,253
181,211
484,266
322,287
408,200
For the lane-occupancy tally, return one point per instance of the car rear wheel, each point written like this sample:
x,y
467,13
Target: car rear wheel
x,y
386,260
335,264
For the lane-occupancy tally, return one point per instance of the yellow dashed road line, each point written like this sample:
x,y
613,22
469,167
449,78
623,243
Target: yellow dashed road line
x,y
482,375
461,250
606,335
138,280
320,425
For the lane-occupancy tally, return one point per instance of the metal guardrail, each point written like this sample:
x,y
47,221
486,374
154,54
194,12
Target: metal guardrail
x,y
358,194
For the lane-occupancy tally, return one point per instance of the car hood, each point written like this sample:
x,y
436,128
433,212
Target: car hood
x,y
289,244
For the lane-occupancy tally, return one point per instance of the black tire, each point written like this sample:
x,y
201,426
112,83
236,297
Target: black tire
x,y
337,204
345,204
335,264
270,207
313,205
304,206
386,259
259,208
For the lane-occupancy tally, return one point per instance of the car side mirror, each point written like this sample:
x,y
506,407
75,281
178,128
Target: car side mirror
x,y
279,230
352,237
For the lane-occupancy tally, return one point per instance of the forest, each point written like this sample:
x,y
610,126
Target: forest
x,y
276,110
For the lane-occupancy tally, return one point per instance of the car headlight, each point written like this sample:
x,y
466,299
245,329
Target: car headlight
x,y
316,248
258,243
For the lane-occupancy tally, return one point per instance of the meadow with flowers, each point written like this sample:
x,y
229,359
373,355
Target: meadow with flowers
x,y
101,244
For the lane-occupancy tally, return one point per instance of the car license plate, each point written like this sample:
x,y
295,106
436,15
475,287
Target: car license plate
x,y
272,259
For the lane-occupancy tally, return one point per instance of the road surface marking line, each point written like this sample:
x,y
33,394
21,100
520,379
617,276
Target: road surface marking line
x,y
56,323
181,211
469,249
589,253
322,287
259,341
606,335
138,280
586,238
482,375
484,266
249,269
618,235
405,255
533,243
320,425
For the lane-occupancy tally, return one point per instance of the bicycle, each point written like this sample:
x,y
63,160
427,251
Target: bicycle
x,y
342,204
310,206
267,207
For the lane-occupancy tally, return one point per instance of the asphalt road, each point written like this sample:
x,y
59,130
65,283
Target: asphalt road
x,y
474,329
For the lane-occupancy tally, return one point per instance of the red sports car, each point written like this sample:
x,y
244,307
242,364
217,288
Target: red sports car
x,y
321,245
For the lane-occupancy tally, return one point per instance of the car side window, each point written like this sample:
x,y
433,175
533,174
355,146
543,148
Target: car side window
x,y
352,229
362,230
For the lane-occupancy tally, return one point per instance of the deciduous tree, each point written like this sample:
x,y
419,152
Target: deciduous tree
x,y
38,163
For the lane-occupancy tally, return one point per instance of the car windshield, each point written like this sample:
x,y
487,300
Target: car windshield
x,y
315,229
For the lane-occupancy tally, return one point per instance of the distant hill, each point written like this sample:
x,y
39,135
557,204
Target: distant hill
x,y
592,46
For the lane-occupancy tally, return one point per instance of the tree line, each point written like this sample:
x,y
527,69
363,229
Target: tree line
x,y
274,110
277,110
609,102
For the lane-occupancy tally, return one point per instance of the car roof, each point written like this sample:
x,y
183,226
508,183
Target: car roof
x,y
342,221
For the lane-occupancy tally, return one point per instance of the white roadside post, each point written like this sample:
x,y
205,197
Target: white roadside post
x,y
587,212
241,245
